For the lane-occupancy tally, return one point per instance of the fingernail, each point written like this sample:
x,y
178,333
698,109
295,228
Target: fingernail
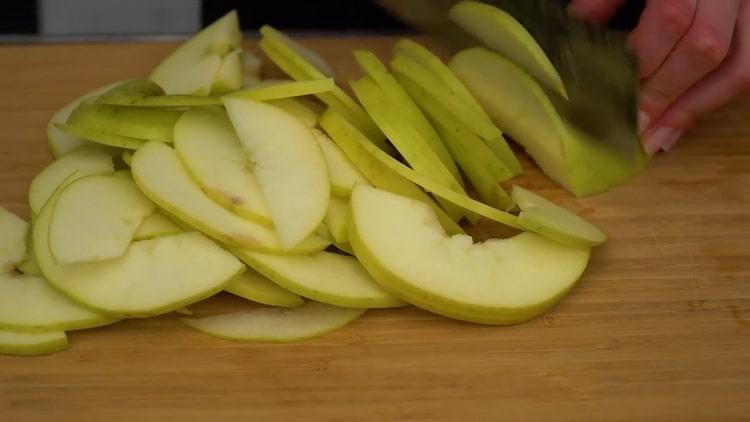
x,y
671,143
658,138
643,121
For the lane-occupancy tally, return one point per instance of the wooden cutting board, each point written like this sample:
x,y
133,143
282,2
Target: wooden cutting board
x,y
657,329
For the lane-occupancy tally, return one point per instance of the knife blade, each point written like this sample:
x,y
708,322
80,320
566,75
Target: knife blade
x,y
597,67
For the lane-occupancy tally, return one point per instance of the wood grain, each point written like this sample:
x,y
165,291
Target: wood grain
x,y
658,328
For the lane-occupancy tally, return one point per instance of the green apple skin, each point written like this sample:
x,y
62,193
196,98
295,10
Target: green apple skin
x,y
129,92
32,344
253,286
99,138
149,124
518,104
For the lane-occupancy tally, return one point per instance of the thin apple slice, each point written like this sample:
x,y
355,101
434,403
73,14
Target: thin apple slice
x,y
337,219
88,160
288,163
344,247
128,92
100,138
325,277
551,220
297,108
95,218
13,240
208,146
30,304
255,287
32,344
151,124
310,60
500,281
156,225
350,140
162,177
275,91
193,66
251,64
277,325
230,76
502,33
344,175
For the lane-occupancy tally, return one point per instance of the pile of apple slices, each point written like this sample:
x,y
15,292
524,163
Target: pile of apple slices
x,y
202,178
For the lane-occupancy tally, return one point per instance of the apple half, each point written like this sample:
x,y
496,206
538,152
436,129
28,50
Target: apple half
x,y
501,281
253,286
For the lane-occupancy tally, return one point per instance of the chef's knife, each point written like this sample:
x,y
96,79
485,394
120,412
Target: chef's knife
x,y
596,66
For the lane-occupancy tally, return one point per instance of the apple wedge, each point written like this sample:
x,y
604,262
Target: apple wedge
x,y
156,225
32,344
30,305
87,160
13,240
300,110
288,163
500,281
230,76
277,325
163,178
192,68
518,103
150,124
208,146
502,33
344,175
253,286
325,277
337,219
95,218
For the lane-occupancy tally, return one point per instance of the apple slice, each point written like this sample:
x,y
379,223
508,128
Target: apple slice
x,y
518,103
192,68
156,225
253,286
32,344
161,176
230,75
300,110
500,281
325,277
337,219
95,218
288,163
13,240
87,160
344,175
152,277
208,146
317,67
128,92
29,265
30,304
277,325
100,138
151,124
351,142
278,90
251,64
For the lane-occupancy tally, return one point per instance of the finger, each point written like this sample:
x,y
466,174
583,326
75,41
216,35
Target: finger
x,y
662,25
596,11
731,79
700,51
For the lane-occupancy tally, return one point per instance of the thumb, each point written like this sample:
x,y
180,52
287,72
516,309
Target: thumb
x,y
596,11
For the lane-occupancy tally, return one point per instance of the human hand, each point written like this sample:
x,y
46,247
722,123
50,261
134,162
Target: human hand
x,y
694,57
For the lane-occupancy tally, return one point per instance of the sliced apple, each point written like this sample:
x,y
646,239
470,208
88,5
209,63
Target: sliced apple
x,y
32,344
230,75
300,110
95,218
344,247
29,265
500,281
100,138
317,68
325,277
275,91
255,287
337,219
161,176
277,325
210,149
151,124
344,175
30,304
126,157
288,163
194,65
156,225
128,92
351,142
502,33
13,241
251,64
87,160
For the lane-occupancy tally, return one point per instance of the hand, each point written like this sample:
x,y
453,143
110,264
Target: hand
x,y
694,57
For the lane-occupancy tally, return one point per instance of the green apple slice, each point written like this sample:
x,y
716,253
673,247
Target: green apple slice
x,y
88,160
152,277
518,103
13,240
255,287
156,225
344,247
500,281
95,218
297,108
337,219
502,33
551,220
163,178
277,325
344,175
153,124
288,163
208,146
251,64
61,143
275,91
230,75
351,142
100,138
315,65
325,277
129,92
32,344
30,304
192,68
29,265
126,157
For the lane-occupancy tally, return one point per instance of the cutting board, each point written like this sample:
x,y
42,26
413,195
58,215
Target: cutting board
x,y
657,329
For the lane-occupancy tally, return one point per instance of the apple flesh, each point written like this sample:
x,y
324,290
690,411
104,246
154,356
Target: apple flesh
x,y
344,175
32,344
500,281
13,240
299,109
230,76
156,225
150,124
255,287
337,219
285,89
129,92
